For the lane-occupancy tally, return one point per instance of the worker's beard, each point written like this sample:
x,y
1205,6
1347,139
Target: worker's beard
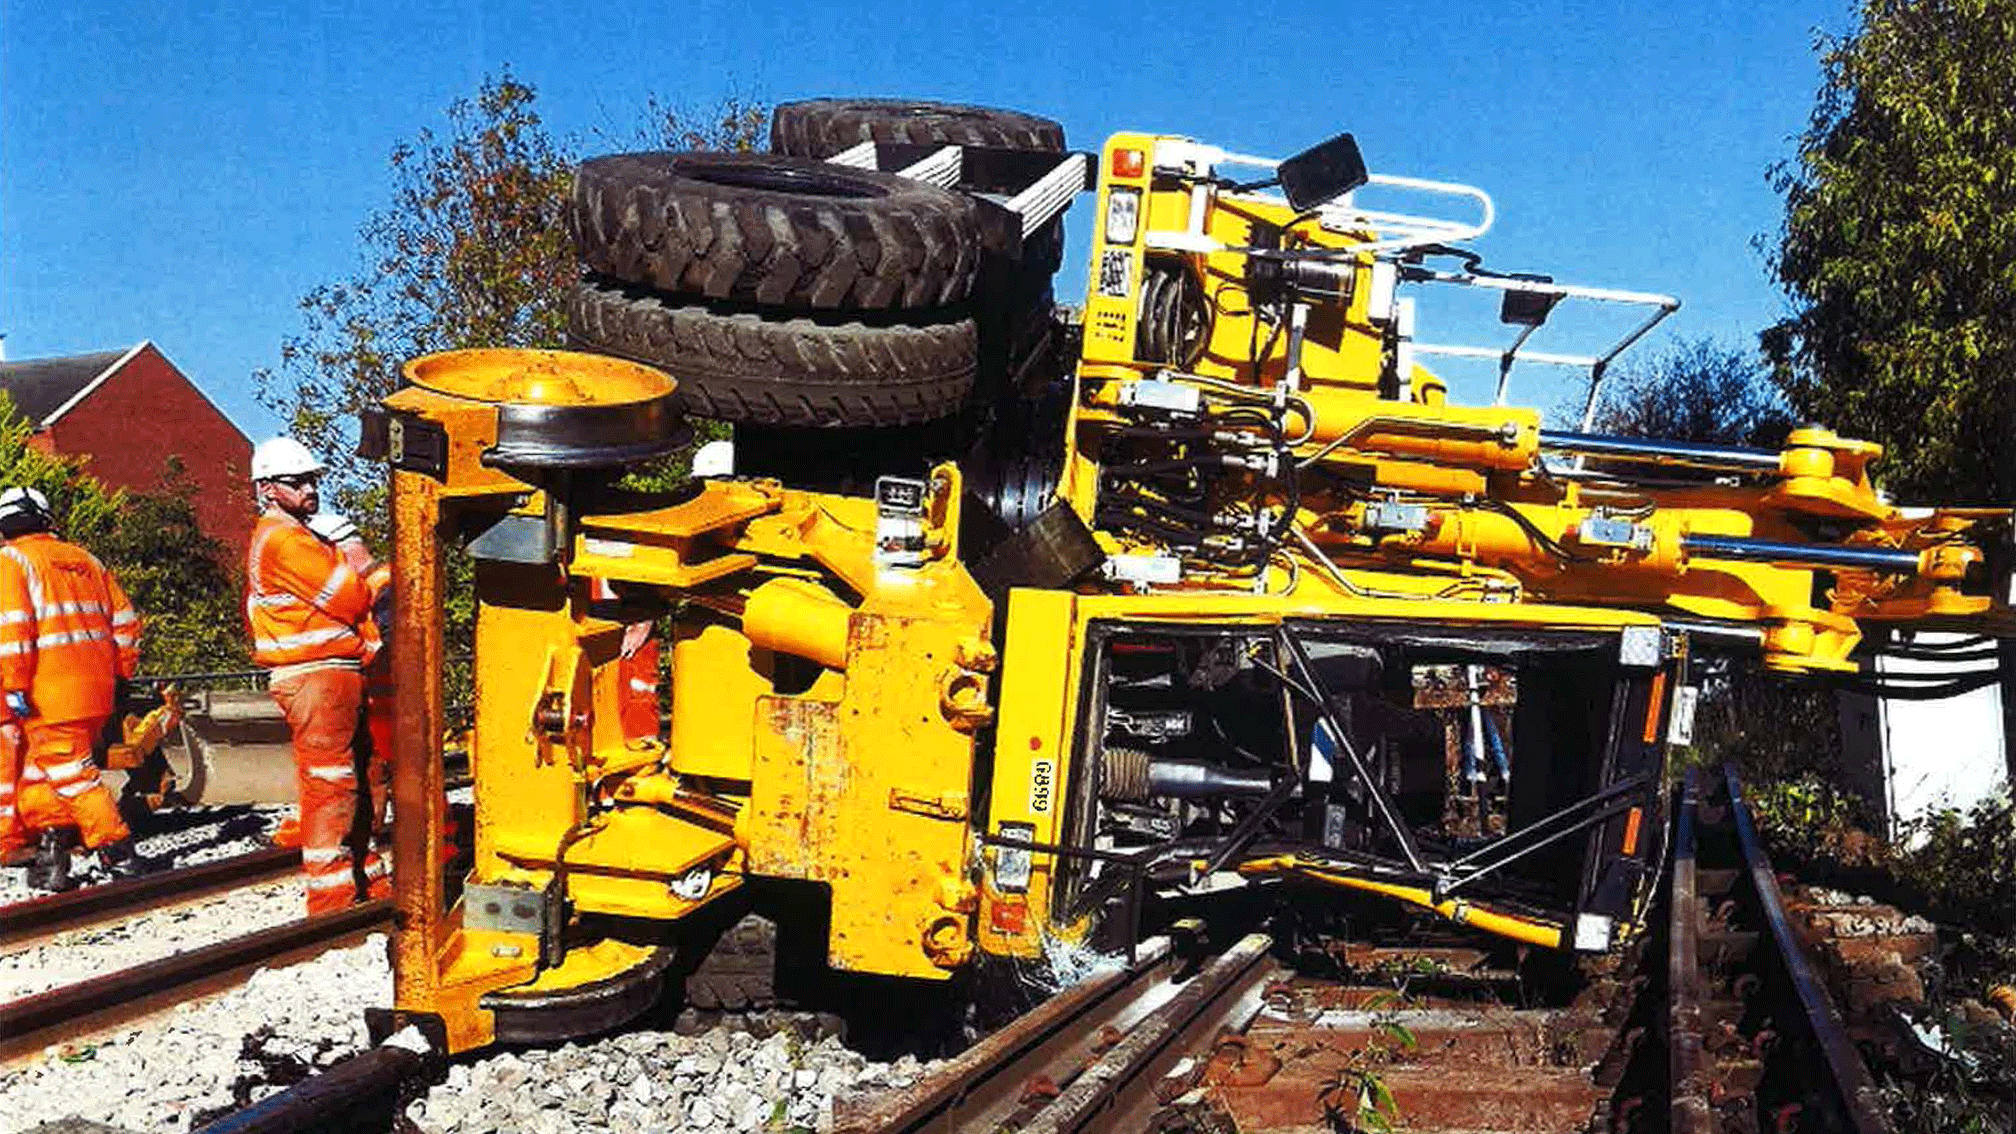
x,y
311,503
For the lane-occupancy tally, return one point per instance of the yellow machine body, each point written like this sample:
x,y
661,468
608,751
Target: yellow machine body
x,y
838,712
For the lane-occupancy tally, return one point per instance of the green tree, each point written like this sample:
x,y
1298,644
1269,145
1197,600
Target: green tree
x,y
1701,390
1697,390
1898,250
175,575
472,251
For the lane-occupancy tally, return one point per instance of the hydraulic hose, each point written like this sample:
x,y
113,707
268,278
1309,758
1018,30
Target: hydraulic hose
x,y
1529,930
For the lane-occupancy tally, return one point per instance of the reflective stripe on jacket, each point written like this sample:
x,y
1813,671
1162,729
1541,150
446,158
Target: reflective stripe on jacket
x,y
303,603
67,632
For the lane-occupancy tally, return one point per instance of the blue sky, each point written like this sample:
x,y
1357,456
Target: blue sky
x,y
184,173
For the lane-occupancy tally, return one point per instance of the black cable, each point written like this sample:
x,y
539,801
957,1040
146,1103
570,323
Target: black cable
x,y
1154,432
1191,515
1173,535
1544,541
1890,690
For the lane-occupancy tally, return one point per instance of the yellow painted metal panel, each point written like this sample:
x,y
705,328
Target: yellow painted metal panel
x,y
714,690
1032,756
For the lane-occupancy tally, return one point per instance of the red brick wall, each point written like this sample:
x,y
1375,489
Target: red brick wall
x,y
147,412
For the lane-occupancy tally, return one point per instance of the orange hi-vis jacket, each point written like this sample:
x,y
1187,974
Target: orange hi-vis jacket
x,y
67,632
303,602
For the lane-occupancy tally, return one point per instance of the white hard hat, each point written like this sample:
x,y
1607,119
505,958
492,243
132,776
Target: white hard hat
x,y
282,456
23,502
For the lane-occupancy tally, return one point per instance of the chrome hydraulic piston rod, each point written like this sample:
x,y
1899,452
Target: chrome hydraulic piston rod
x,y
1692,454
1801,554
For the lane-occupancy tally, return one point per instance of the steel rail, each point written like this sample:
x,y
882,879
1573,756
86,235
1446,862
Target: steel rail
x,y
1112,1093
33,1020
1849,1076
39,917
983,1085
1688,1077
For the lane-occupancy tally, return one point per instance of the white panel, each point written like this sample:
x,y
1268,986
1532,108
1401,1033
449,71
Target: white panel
x,y
1947,753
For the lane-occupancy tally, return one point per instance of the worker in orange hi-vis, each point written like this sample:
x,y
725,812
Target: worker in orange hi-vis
x,y
308,601
15,848
68,636
637,668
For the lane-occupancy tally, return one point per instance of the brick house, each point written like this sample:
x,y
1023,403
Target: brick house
x,y
126,413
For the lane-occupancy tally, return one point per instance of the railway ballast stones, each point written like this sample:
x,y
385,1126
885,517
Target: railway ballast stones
x,y
172,1072
723,1081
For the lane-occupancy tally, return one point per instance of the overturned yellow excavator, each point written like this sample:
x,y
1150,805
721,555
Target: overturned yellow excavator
x,y
1010,626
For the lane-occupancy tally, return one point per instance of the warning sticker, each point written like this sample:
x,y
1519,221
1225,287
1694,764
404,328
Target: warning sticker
x,y
1113,272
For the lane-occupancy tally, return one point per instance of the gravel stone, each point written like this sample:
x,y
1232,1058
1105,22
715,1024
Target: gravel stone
x,y
222,1049
725,1081
181,836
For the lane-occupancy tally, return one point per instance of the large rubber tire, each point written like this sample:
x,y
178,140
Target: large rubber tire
x,y
822,127
775,369
779,231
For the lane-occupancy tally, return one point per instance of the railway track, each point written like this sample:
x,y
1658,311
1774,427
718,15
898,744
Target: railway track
x,y
25,923
1724,1029
1754,1042
1090,1058
66,1013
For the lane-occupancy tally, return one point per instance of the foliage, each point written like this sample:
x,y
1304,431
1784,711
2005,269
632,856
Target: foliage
x,y
1962,863
177,578
1811,819
1773,728
175,575
1701,390
1898,249
1953,867
1697,390
472,251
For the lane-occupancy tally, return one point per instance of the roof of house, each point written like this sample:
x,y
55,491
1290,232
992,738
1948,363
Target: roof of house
x,y
43,389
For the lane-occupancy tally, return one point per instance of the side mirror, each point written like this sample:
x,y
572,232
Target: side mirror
x,y
1322,173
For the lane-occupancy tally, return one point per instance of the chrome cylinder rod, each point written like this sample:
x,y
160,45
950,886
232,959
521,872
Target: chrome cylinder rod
x,y
1693,454
1801,554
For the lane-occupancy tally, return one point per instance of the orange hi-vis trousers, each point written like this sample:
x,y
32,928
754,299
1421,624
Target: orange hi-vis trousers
x,y
324,709
57,785
378,733
13,836
639,695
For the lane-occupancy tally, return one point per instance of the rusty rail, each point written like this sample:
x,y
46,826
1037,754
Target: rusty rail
x,y
38,1020
1085,1058
1115,1092
1846,1073
1781,1051
1687,1067
38,917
